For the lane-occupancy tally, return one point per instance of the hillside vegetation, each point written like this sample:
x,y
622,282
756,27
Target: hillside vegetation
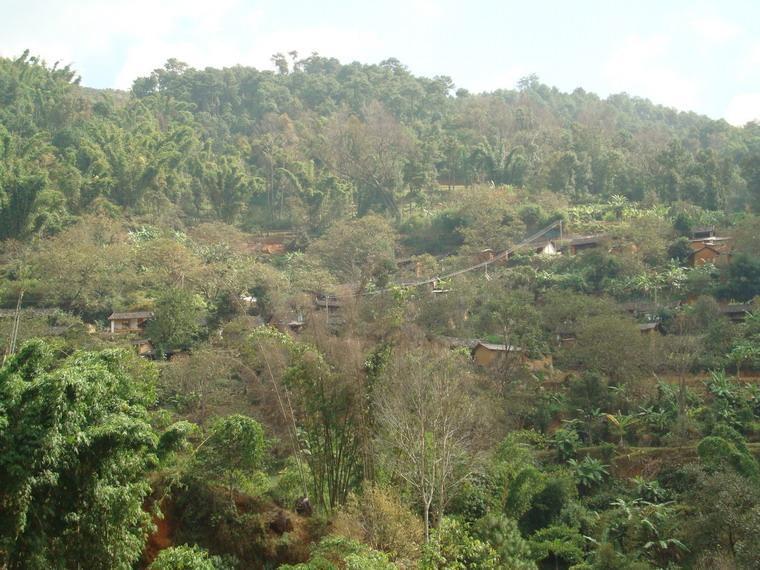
x,y
235,333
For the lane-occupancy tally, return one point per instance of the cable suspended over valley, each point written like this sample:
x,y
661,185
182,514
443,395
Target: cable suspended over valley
x,y
504,255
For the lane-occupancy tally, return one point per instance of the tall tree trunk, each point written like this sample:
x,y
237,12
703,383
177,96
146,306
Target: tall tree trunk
x,y
426,509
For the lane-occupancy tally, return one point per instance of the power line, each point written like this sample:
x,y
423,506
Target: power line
x,y
484,264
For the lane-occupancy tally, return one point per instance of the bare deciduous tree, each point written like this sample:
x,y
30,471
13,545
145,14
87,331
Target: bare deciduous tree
x,y
370,151
426,417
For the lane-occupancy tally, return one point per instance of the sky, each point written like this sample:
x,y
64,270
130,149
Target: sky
x,y
701,56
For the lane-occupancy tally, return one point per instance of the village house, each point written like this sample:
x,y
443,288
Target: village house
x,y
440,286
485,255
717,255
248,301
647,310
649,328
129,322
332,306
489,355
565,336
737,312
545,248
723,244
624,248
294,321
703,232
327,302
454,343
709,248
583,243
705,254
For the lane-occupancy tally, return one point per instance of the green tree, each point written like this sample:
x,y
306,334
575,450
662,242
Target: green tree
x,y
646,530
21,184
233,449
718,453
229,187
524,486
357,251
504,537
599,337
743,352
325,411
510,317
742,278
558,543
680,250
176,321
76,447
75,268
724,505
566,441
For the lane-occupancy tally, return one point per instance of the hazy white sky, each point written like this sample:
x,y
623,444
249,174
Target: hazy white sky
x,y
691,55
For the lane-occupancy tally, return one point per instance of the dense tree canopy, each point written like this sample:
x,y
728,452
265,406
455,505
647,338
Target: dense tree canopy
x,y
300,146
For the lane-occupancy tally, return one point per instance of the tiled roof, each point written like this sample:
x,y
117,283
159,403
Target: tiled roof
x,y
586,240
497,347
738,308
131,315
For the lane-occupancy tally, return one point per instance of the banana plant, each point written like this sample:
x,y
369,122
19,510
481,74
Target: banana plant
x,y
621,423
588,472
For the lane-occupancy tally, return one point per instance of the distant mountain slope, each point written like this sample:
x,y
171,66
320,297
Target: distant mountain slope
x,y
319,140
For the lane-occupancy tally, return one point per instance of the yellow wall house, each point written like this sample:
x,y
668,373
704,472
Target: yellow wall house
x,y
488,355
129,322
710,254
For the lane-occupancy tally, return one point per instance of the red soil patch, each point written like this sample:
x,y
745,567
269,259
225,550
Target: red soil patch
x,y
162,537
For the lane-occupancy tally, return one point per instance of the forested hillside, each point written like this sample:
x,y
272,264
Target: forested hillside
x,y
339,316
318,141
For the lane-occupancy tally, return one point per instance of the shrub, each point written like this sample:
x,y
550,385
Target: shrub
x,y
453,547
338,551
557,543
378,518
566,441
189,558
